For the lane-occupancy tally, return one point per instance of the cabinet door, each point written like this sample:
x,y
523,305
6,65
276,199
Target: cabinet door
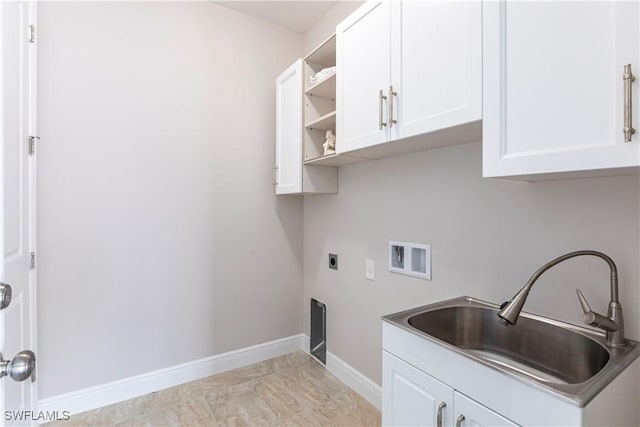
x,y
362,69
412,398
289,91
470,413
436,65
553,89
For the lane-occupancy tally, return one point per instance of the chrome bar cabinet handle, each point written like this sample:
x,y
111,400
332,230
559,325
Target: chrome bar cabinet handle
x,y
439,418
381,97
628,78
391,95
460,420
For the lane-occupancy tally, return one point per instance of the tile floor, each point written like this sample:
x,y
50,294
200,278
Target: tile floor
x,y
292,390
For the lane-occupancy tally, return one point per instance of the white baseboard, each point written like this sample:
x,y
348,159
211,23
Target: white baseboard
x,y
355,379
305,344
129,388
346,373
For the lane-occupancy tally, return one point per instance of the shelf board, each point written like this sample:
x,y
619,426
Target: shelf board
x,y
335,160
326,122
322,160
325,88
325,54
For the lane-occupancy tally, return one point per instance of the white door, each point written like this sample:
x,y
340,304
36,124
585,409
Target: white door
x,y
288,170
470,413
363,70
412,398
436,65
17,233
553,96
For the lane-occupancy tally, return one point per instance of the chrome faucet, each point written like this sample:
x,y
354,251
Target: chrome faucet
x,y
612,324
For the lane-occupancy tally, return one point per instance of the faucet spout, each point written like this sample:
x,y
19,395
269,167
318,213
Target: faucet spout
x,y
510,310
612,324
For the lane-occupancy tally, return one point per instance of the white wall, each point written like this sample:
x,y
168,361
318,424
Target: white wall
x,y
488,236
326,25
160,238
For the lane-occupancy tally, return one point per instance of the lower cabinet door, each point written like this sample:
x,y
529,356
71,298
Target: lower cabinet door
x,y
470,413
412,398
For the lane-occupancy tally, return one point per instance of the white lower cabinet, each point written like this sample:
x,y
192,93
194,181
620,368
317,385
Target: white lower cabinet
x,y
411,397
414,398
468,412
419,375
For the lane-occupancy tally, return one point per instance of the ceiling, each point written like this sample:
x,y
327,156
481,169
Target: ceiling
x,y
298,15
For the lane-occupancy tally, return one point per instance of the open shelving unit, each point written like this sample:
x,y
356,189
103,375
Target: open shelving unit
x,y
326,122
319,102
324,88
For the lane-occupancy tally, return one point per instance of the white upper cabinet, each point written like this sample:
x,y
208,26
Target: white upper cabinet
x,y
288,169
436,65
408,68
554,93
291,176
363,71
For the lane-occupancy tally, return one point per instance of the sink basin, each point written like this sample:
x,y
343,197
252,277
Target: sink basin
x,y
570,361
540,349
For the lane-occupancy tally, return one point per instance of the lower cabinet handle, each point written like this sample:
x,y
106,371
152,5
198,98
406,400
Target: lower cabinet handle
x,y
381,97
439,418
275,175
460,420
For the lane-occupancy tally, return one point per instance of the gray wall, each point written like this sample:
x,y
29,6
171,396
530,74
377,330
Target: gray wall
x,y
160,238
487,235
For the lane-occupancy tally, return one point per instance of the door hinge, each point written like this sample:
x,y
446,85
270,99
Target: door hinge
x,y
33,260
32,33
32,144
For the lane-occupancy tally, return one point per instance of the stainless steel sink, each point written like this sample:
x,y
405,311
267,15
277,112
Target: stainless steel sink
x,y
541,349
568,360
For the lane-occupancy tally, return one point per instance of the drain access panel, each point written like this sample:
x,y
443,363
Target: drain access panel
x,y
318,341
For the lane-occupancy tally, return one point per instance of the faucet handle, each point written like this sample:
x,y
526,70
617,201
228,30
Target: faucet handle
x,y
583,302
594,319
